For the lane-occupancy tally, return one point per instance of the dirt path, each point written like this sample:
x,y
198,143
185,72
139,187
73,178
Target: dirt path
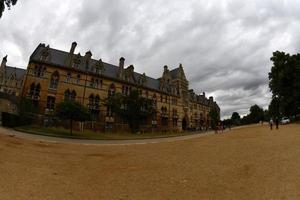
x,y
247,163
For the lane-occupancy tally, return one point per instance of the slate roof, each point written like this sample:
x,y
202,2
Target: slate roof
x,y
59,58
19,72
174,73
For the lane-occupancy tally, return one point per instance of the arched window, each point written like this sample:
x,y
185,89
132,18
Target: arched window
x,y
32,89
34,93
91,101
111,90
97,100
175,118
54,80
70,96
154,101
94,102
94,106
73,95
39,71
164,116
164,111
67,95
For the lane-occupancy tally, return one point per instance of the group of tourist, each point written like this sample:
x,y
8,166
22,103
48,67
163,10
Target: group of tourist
x,y
271,123
220,127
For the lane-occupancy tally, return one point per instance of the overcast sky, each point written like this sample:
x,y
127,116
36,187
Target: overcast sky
x,y
225,46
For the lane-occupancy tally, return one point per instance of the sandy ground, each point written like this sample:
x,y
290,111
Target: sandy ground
x,y
246,163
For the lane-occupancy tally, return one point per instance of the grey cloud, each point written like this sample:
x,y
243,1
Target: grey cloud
x,y
224,46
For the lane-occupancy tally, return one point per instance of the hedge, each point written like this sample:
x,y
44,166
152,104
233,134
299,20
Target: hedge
x,y
13,120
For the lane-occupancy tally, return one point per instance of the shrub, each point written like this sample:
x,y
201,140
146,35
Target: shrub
x,y
13,120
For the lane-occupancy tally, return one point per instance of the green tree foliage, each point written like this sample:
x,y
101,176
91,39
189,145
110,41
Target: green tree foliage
x,y
73,111
274,108
256,115
266,115
7,3
227,122
214,117
26,107
235,118
132,108
284,83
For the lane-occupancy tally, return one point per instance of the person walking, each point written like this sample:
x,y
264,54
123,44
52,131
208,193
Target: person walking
x,y
271,124
277,122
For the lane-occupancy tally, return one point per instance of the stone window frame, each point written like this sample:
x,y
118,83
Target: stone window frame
x,y
54,80
50,103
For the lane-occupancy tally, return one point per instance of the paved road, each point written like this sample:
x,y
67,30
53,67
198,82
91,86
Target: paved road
x,y
19,134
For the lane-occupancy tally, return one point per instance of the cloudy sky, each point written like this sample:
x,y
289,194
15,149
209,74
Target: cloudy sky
x,y
225,46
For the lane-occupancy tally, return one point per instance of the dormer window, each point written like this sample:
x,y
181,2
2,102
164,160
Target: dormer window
x,y
98,67
45,54
76,61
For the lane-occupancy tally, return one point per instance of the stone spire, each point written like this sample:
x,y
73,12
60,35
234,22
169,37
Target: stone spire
x,y
2,70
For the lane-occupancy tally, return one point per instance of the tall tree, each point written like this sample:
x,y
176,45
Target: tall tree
x,y
274,108
132,108
214,117
256,114
235,118
73,111
7,3
284,83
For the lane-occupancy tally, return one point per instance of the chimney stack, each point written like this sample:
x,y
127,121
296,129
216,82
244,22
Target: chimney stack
x,y
88,57
122,62
166,68
74,44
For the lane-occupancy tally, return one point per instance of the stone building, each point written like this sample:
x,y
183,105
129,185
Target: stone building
x,y
53,76
11,78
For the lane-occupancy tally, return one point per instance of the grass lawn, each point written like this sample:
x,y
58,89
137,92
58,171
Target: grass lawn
x,y
87,134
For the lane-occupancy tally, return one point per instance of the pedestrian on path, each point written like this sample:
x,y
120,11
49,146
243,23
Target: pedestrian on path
x,y
271,124
277,122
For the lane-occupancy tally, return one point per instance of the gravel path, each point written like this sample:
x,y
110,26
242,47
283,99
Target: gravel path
x,y
246,163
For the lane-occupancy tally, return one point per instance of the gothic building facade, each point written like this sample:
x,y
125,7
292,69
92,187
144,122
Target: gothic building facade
x,y
11,78
53,76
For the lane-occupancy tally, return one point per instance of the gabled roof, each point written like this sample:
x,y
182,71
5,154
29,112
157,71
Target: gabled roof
x,y
59,58
19,72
